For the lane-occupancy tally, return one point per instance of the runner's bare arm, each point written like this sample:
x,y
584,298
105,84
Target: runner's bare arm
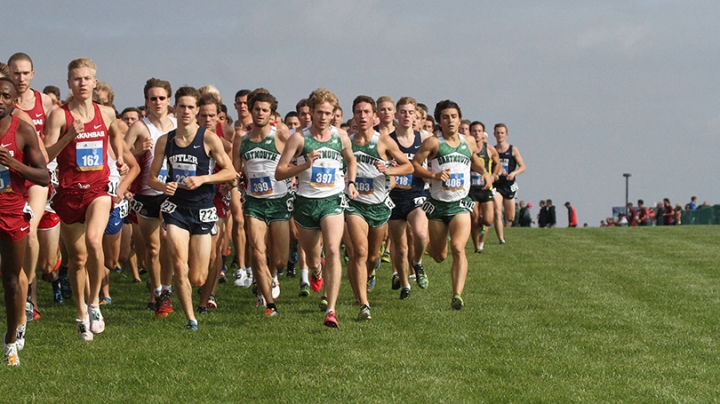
x,y
54,127
403,165
428,150
27,141
286,169
153,181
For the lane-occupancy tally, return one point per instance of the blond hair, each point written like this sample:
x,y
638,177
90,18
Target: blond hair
x,y
322,95
80,63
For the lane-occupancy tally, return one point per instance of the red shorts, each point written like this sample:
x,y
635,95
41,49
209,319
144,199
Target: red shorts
x,y
132,217
220,206
71,206
15,226
48,221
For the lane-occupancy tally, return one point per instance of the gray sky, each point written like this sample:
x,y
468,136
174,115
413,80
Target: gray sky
x,y
589,90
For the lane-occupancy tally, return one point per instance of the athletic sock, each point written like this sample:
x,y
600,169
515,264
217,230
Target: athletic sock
x,y
164,288
304,276
158,291
481,246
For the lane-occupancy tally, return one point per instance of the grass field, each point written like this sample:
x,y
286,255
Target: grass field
x,y
564,315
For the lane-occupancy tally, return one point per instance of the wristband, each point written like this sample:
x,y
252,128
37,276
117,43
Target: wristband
x,y
352,183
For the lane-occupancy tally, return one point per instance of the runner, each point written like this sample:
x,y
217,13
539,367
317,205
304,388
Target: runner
x,y
448,209
484,212
368,213
408,223
79,134
188,213
386,115
142,138
320,150
506,187
20,160
267,200
243,274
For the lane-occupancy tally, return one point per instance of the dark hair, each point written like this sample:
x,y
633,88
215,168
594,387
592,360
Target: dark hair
x,y
477,123
641,202
209,99
241,93
223,108
187,91
52,90
443,105
12,83
260,96
364,98
300,104
130,109
21,56
153,82
291,114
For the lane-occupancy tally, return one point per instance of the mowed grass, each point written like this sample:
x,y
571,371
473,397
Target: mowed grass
x,y
562,315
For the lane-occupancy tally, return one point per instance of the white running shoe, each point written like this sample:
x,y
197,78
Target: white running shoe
x,y
240,277
275,288
83,327
260,302
97,321
20,337
249,279
11,353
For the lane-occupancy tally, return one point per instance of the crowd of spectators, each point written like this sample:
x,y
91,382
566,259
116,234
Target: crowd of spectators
x,y
663,214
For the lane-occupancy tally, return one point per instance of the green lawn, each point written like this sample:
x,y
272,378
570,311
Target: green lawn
x,y
562,315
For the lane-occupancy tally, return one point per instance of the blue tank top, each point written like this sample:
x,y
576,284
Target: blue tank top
x,y
407,185
190,161
508,163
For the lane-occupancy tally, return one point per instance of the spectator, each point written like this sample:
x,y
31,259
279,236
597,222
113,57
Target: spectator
x,y
525,215
668,212
651,216
542,215
550,218
631,215
602,223
693,203
572,215
622,220
642,213
660,214
678,214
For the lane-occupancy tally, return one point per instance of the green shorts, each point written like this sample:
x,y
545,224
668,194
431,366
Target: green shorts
x,y
374,215
309,212
268,210
445,211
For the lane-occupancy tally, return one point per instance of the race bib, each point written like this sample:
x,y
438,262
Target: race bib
x,y
124,207
323,177
365,186
181,171
514,187
208,215
112,188
290,204
389,203
428,207
260,186
419,201
469,205
403,181
136,205
505,166
89,155
5,183
162,176
476,180
168,207
456,182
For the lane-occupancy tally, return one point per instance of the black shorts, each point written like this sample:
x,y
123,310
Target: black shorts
x,y
194,220
148,206
405,205
479,195
508,190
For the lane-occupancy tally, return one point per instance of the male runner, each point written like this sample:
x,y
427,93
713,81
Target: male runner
x,y
243,274
484,212
20,160
142,138
37,106
448,209
386,115
130,115
409,196
505,186
188,213
337,117
267,200
320,150
292,121
368,213
302,108
79,134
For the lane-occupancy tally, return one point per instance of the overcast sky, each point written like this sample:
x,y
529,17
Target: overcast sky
x,y
589,90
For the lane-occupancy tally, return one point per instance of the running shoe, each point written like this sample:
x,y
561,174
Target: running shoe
x,y
223,277
20,337
240,276
97,321
421,276
323,303
316,282
254,288
457,302
405,293
478,251
11,354
395,281
364,313
57,291
83,329
386,257
304,290
202,310
163,306
105,301
36,315
271,312
371,283
142,271
411,277
275,288
249,280
260,301
191,325
29,310
331,320
346,258
211,304
502,242
65,287
280,271
290,271
150,306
